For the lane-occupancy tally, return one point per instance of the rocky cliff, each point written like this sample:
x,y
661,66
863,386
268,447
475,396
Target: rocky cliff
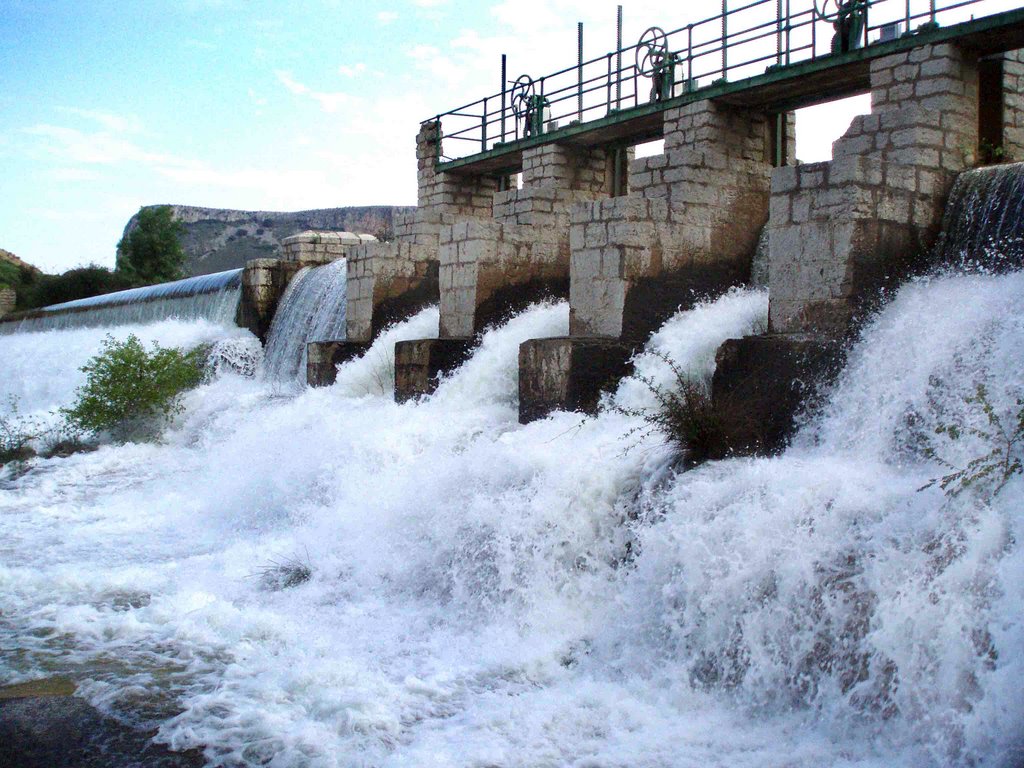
x,y
216,239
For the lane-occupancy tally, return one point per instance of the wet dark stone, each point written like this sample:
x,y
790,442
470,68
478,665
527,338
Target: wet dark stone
x,y
324,357
61,731
569,373
762,383
419,364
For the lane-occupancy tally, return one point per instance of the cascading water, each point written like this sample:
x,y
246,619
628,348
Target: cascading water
x,y
984,220
311,309
210,297
485,593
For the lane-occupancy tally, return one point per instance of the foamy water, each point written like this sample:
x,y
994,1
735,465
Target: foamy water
x,y
489,594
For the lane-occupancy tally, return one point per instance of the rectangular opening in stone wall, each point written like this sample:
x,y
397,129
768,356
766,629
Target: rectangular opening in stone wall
x,y
650,148
990,108
819,126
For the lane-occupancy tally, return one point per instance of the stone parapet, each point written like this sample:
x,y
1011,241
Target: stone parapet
x,y
387,282
313,248
489,270
464,195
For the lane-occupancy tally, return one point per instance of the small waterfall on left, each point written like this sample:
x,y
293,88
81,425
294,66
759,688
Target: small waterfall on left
x,y
212,297
312,309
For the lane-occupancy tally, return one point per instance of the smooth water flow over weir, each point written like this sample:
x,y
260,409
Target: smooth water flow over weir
x,y
984,220
312,309
211,297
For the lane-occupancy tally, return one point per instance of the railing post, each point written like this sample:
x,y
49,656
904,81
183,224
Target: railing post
x,y
933,11
504,88
778,32
689,57
725,38
483,128
579,71
907,28
609,88
618,58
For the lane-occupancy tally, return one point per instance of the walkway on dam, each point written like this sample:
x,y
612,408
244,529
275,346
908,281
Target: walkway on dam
x,y
782,59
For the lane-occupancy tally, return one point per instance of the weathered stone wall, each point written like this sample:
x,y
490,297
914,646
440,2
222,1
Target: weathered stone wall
x,y
489,269
839,231
8,300
263,283
387,282
1013,105
689,226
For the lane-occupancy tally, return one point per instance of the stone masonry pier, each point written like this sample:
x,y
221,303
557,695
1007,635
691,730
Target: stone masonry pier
x,y
687,230
492,267
388,282
842,231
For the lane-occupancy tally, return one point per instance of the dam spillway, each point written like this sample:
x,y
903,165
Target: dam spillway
x,y
213,297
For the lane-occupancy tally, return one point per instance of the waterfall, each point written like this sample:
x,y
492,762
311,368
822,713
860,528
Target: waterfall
x,y
208,297
311,309
984,219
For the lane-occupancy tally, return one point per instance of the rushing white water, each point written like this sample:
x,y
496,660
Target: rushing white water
x,y
488,594
208,297
311,309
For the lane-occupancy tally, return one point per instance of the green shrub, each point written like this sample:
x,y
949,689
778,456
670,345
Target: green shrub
x,y
78,283
991,471
131,393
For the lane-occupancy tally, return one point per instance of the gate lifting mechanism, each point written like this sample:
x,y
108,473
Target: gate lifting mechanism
x,y
656,61
528,106
848,17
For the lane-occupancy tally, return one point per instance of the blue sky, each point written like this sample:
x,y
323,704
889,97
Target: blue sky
x,y
253,104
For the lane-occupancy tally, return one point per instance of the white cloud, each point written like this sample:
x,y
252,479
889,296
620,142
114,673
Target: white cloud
x,y
386,17
100,148
109,120
352,71
330,101
429,3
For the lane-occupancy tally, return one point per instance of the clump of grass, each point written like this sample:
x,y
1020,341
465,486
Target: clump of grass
x,y
284,574
17,435
686,414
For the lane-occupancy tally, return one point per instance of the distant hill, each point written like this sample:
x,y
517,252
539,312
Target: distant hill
x,y
10,258
216,239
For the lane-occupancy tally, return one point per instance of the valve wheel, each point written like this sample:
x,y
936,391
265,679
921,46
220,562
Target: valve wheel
x,y
523,91
651,51
826,10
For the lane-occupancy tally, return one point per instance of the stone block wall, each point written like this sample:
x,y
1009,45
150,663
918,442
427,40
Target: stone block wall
x,y
839,231
448,192
263,284
924,111
387,282
688,228
490,269
1013,105
8,300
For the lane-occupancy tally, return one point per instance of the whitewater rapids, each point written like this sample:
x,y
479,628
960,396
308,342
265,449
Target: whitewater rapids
x,y
488,594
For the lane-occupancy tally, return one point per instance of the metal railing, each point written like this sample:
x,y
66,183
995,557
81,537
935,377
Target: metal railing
x,y
743,41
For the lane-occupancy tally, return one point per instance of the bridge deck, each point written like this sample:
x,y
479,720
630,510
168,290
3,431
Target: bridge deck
x,y
778,90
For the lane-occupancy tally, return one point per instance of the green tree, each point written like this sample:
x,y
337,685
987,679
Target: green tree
x,y
151,252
